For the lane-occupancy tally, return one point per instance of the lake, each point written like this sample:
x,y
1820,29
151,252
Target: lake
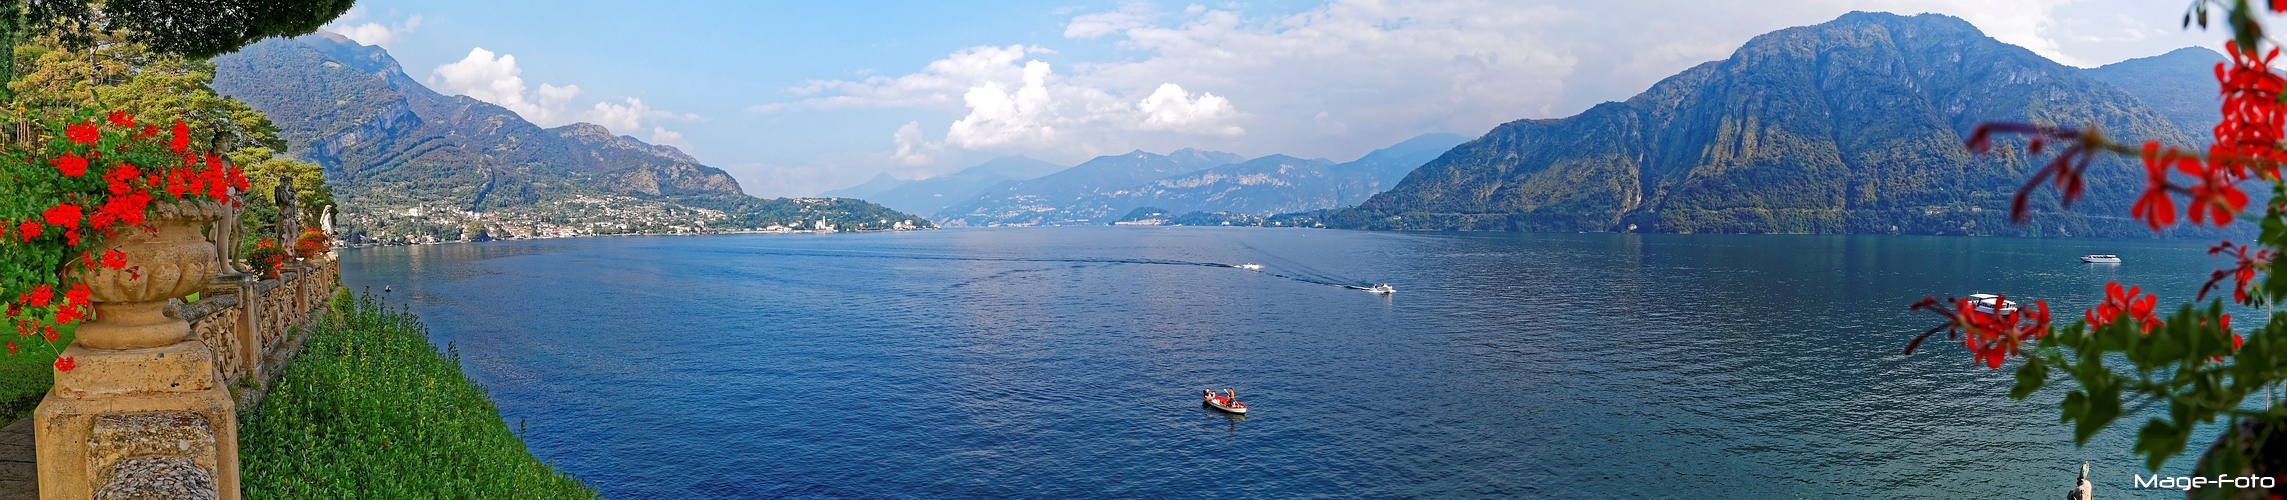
x,y
1067,362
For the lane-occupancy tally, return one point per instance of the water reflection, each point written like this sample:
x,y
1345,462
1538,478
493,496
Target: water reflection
x,y
1230,420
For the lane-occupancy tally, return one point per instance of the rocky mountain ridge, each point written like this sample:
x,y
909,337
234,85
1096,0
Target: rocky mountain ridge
x,y
1850,126
410,164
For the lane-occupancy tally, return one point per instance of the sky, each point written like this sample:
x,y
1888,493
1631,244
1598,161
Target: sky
x,y
797,98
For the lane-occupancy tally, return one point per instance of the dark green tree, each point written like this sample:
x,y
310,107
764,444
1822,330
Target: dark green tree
x,y
195,29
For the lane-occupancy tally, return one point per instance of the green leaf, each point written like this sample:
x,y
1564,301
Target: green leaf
x,y
2030,378
2103,407
2158,441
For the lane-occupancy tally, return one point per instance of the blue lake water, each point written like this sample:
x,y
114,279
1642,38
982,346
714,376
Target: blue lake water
x,y
1067,362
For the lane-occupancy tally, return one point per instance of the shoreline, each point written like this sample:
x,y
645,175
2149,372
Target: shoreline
x,y
339,244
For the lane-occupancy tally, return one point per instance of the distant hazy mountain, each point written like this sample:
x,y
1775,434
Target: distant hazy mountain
x,y
1389,165
408,163
2180,84
935,194
1102,189
1267,185
880,182
1064,197
1852,126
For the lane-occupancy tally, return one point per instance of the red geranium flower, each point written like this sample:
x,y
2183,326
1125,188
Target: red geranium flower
x,y
71,165
83,133
121,118
28,230
182,140
2154,207
64,364
2118,301
38,297
65,215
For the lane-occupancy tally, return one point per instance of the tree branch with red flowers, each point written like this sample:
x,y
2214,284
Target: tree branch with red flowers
x,y
2190,362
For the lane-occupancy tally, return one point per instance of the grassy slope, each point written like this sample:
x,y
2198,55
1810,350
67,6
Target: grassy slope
x,y
371,410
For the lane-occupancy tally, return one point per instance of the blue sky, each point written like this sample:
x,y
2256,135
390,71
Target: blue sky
x,y
794,98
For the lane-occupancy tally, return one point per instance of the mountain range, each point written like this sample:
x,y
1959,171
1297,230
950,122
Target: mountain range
x,y
1102,189
410,164
935,194
1850,126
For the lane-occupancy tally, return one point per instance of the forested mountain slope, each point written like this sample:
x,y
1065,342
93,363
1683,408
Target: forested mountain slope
x,y
1851,126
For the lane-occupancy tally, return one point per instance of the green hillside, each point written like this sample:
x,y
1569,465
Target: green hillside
x,y
1852,126
409,164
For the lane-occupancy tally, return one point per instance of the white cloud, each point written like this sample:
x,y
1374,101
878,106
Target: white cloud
x,y
999,118
1342,77
1130,16
1170,108
1008,102
911,147
373,33
662,136
629,114
495,78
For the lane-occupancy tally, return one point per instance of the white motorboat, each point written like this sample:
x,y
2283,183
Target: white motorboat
x,y
1991,304
2101,259
1383,289
1250,266
1228,401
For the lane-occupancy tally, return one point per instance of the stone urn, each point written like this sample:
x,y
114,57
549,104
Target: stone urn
x,y
145,413
172,260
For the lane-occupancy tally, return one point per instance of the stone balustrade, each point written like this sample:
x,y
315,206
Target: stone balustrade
x,y
244,333
155,416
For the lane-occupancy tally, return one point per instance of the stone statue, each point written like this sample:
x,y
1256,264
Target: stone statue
x,y
326,221
2082,490
289,217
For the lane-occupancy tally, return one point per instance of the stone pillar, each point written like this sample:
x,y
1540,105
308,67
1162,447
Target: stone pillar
x,y
145,412
250,329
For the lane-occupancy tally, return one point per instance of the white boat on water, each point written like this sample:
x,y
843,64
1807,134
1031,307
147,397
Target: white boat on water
x,y
1250,266
1383,289
1228,401
1991,304
2101,259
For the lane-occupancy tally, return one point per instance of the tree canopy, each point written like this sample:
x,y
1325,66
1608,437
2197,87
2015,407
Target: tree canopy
x,y
197,28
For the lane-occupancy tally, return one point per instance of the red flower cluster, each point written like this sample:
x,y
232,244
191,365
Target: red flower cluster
x,y
266,257
182,140
71,165
2118,301
2242,273
311,243
84,134
1990,331
137,168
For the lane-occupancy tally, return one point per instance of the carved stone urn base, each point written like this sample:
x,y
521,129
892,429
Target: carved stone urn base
x,y
155,419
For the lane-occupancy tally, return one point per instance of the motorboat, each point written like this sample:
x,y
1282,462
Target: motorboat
x,y
2101,259
1250,266
1991,304
1383,288
1228,401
